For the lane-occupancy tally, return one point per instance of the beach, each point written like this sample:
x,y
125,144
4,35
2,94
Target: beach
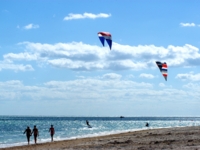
x,y
187,138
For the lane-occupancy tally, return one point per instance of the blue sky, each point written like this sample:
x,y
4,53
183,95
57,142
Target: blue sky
x,y
53,64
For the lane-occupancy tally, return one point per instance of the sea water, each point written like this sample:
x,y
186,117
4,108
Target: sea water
x,y
12,127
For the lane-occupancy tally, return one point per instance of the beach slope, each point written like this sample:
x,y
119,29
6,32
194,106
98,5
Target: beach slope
x,y
184,138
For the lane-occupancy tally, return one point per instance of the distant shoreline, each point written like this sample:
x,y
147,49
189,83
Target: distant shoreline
x,y
101,116
163,138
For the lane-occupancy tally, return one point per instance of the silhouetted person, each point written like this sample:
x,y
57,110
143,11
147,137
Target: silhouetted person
x,y
147,124
87,122
35,132
52,132
28,134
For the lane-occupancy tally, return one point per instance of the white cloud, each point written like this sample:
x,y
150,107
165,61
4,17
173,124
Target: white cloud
x,y
130,76
189,76
76,65
112,76
80,77
148,76
15,67
20,56
192,86
31,26
95,89
106,90
81,56
98,93
72,16
161,84
187,24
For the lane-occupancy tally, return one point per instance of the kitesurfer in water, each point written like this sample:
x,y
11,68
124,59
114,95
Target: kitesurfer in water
x,y
35,132
52,131
87,122
28,134
147,124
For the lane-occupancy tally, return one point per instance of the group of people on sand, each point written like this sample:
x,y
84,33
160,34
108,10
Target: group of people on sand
x,y
35,133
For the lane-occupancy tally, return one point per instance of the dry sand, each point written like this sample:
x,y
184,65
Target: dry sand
x,y
181,138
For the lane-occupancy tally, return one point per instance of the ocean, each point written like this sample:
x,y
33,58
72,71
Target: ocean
x,y
12,127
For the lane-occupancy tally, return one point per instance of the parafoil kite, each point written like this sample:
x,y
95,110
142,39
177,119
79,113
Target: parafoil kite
x,y
105,36
163,68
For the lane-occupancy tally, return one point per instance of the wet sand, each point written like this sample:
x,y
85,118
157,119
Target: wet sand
x,y
182,138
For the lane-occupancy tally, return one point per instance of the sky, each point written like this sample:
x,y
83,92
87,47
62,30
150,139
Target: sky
x,y
52,62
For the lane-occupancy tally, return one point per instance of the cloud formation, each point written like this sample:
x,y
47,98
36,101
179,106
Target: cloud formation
x,y
189,76
66,90
161,84
112,76
187,24
72,16
95,89
192,86
148,76
31,26
7,65
82,57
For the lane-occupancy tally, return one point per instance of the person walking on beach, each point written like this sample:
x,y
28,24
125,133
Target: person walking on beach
x,y
52,131
35,132
28,134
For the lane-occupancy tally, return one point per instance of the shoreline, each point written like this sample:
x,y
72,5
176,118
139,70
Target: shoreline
x,y
75,138
163,138
86,136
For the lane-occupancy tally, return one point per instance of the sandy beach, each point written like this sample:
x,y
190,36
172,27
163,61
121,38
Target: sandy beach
x,y
187,138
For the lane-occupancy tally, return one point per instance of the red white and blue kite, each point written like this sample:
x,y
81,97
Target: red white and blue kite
x,y
163,68
105,36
